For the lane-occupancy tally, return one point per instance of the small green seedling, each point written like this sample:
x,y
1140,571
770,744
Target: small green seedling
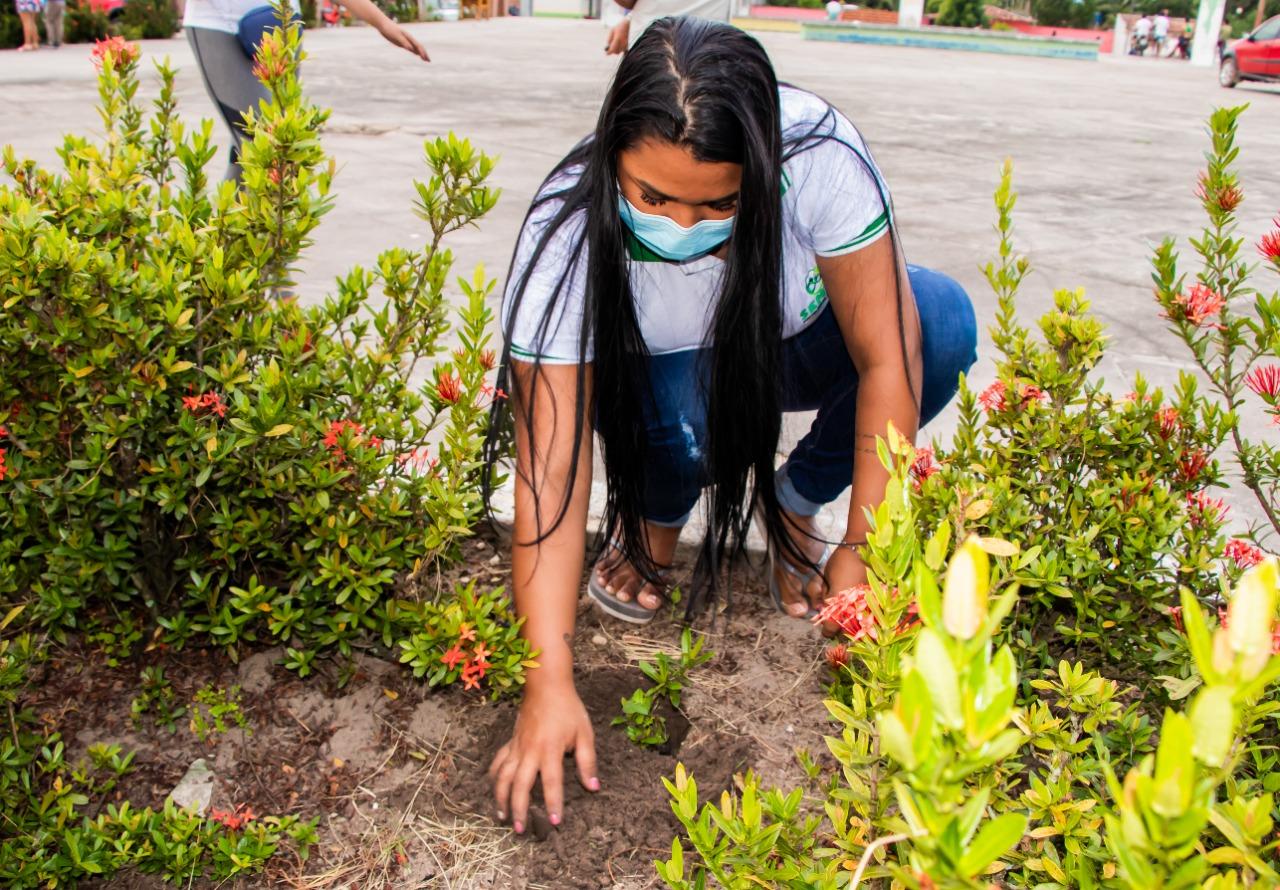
x,y
641,710
213,709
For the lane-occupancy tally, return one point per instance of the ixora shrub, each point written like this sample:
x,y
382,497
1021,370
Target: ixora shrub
x,y
986,790
1231,327
1062,714
180,437
1107,495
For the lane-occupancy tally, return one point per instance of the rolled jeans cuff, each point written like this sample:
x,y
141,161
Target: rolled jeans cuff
x,y
791,500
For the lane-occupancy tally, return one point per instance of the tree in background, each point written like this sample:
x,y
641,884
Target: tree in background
x,y
962,14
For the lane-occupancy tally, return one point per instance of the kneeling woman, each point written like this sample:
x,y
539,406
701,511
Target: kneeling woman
x,y
719,251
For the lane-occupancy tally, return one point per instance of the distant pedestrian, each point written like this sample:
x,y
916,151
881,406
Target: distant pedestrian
x,y
27,12
1142,35
833,10
1161,29
220,32
644,13
53,10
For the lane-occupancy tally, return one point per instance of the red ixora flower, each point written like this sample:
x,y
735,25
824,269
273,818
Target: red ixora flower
x,y
1170,422
488,360
333,436
120,51
1175,615
1191,464
4,467
449,388
850,611
1243,554
992,398
924,465
1265,381
453,656
1269,246
1199,304
233,819
1227,198
466,633
837,656
472,674
1033,393
205,403
1203,507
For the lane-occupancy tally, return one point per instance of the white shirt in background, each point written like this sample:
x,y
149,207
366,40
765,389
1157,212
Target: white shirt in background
x,y
646,12
1162,27
222,15
1143,27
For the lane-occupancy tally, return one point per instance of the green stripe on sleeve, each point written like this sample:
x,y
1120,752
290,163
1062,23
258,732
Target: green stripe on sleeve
x,y
876,228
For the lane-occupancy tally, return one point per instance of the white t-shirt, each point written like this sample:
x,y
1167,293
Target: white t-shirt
x,y
646,12
1143,26
222,15
1162,26
831,205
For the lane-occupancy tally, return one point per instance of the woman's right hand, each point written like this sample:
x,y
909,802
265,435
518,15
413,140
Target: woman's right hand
x,y
552,723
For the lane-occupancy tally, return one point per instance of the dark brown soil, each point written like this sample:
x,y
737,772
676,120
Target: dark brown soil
x,y
395,773
621,829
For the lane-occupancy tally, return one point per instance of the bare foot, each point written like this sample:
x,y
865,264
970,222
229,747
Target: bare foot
x,y
620,578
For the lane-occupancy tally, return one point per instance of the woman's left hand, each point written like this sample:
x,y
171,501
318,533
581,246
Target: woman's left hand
x,y
400,37
845,569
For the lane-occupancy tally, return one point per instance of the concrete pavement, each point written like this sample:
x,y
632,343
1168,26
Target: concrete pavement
x,y
1105,153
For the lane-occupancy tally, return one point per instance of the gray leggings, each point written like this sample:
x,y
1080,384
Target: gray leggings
x,y
53,10
228,76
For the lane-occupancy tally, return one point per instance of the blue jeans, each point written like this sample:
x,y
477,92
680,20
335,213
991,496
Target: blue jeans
x,y
817,374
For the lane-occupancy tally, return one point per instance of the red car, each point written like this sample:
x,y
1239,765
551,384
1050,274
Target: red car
x,y
109,8
1255,57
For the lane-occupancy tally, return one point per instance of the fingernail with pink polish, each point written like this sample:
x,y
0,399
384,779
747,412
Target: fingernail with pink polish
x,y
555,818
593,784
519,828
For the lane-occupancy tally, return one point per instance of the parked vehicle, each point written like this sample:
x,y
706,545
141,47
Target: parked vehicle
x,y
1253,57
112,9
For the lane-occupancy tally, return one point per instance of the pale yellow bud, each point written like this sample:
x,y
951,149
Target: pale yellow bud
x,y
1251,614
1223,657
964,593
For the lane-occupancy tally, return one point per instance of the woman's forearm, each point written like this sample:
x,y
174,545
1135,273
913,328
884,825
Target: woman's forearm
x,y
884,396
368,12
547,573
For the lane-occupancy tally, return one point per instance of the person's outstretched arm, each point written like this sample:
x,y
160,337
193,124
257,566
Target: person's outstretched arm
x,y
546,577
370,14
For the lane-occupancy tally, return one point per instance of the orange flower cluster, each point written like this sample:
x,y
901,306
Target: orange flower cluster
x,y
120,51
850,611
1198,305
205,403
232,819
474,665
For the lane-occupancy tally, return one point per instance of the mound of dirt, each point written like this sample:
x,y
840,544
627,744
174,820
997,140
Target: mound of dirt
x,y
617,832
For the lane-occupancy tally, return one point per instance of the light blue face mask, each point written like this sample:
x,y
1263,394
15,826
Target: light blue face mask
x,y
670,240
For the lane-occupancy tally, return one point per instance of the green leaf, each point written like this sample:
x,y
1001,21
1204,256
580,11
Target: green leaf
x,y
933,661
994,840
1213,718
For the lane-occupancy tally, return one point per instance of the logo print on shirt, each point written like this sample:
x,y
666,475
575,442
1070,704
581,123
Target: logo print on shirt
x,y
817,292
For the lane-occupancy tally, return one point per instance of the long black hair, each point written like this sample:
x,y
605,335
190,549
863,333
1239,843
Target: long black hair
x,y
708,88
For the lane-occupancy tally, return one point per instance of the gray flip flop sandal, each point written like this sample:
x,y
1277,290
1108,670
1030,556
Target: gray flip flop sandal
x,y
804,576
630,611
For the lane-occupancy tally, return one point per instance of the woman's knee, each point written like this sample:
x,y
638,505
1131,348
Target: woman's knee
x,y
949,334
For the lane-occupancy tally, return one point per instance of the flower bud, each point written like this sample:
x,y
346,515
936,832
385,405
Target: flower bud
x,y
1250,616
964,593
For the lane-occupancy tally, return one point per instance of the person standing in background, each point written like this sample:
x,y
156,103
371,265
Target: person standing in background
x,y
53,11
27,12
643,13
1161,28
1142,35
213,30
